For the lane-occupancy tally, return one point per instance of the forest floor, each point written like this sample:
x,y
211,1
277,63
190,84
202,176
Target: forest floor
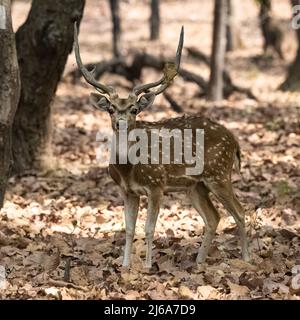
x,y
62,230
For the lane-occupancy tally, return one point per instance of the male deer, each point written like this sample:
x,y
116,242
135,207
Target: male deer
x,y
221,152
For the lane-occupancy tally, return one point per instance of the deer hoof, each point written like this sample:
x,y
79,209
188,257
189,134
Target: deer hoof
x,y
246,257
126,263
200,259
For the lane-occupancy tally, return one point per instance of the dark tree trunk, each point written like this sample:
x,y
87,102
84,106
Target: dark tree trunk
x,y
9,92
116,29
44,42
154,20
218,51
292,81
233,39
272,34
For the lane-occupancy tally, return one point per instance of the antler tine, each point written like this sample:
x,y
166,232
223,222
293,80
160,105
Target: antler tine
x,y
144,87
170,71
179,49
88,75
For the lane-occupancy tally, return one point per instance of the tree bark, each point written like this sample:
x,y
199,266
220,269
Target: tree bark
x,y
218,51
44,42
272,34
292,82
116,29
9,92
233,39
154,20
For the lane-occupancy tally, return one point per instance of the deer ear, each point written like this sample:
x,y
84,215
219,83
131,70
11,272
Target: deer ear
x,y
145,101
99,101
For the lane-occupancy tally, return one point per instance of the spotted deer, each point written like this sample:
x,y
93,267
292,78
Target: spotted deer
x,y
220,153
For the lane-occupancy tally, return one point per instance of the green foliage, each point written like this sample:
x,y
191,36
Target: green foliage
x,y
282,188
275,124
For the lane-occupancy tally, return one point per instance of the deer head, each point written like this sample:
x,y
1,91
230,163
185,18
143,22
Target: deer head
x,y
126,109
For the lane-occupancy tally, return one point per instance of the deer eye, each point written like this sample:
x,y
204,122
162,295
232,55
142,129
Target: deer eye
x,y
134,111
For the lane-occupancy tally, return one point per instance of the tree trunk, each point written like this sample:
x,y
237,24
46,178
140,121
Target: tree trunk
x,y
154,20
292,81
44,42
116,30
233,39
218,51
9,92
271,31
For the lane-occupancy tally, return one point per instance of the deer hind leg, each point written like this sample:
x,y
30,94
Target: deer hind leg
x,y
131,208
278,48
202,203
225,194
152,214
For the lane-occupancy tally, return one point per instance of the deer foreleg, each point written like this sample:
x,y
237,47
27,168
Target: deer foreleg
x,y
131,209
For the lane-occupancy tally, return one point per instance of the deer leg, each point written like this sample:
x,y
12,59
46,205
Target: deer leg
x,y
202,203
266,45
224,192
152,214
131,208
278,49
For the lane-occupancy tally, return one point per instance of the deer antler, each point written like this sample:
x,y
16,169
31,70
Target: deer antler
x,y
88,75
170,71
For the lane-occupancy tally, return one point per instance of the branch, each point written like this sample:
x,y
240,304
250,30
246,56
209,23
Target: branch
x,y
229,86
140,60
